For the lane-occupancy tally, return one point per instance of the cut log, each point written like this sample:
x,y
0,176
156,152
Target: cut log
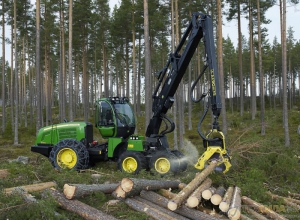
x,y
81,209
3,173
32,187
287,201
144,208
261,208
218,195
195,197
133,187
186,191
253,213
207,194
234,211
224,205
294,195
74,191
167,193
184,210
118,193
161,209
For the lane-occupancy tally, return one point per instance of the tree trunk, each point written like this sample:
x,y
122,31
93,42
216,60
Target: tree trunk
x,y
253,213
234,211
288,201
167,193
218,195
32,187
38,69
195,197
224,205
148,78
3,72
186,191
70,58
160,208
261,208
184,210
81,209
295,195
74,191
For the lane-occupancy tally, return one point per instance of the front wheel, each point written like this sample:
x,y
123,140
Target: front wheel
x,y
164,162
69,154
132,162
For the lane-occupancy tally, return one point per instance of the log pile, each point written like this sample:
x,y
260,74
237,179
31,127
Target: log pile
x,y
197,200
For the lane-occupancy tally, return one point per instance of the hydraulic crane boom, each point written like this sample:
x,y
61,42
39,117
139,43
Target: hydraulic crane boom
x,y
200,27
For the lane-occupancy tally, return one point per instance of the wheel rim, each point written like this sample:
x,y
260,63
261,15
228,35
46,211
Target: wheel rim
x,y
162,165
66,158
129,164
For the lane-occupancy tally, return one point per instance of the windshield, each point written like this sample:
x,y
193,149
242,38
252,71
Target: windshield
x,y
124,114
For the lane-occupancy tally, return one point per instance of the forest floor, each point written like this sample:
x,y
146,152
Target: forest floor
x,y
259,164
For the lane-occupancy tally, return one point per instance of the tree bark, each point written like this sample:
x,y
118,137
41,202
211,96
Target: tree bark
x,y
141,207
70,59
32,187
294,195
244,217
224,205
234,211
186,191
160,208
261,208
3,173
167,193
218,195
207,194
184,210
195,197
72,191
83,210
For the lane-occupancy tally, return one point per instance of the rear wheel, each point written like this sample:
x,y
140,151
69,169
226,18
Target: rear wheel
x,y
164,162
183,163
132,162
69,154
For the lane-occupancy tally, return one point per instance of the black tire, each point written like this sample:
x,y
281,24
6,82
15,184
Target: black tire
x,y
132,162
183,162
164,162
69,154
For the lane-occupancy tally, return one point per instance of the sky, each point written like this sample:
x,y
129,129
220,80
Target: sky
x,y
230,28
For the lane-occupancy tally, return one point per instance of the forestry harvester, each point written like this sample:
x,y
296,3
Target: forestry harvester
x,y
71,144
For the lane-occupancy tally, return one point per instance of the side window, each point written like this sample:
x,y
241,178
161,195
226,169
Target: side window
x,y
105,114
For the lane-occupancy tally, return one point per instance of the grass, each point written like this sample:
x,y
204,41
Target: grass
x,y
259,163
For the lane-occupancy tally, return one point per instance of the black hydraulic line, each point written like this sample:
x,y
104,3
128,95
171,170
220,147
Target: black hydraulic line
x,y
194,85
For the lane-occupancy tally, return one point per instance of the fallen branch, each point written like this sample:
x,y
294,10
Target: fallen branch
x,y
253,213
186,191
74,191
287,201
32,187
294,195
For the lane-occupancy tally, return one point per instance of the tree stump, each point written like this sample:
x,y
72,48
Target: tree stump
x,y
195,197
186,191
74,191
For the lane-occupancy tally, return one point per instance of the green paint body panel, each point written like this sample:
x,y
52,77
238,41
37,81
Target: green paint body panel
x,y
54,133
136,144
